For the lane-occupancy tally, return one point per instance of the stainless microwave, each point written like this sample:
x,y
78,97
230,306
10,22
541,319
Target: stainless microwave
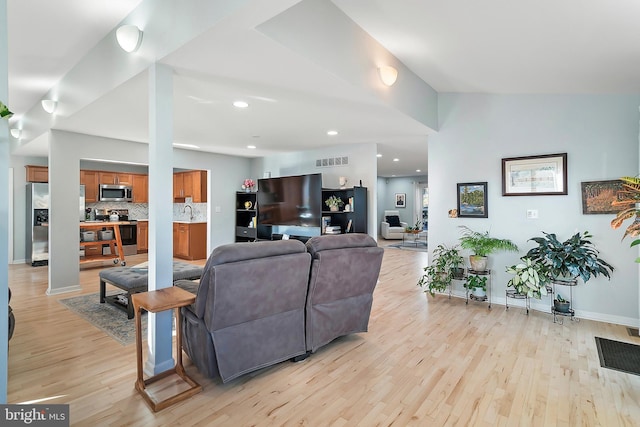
x,y
115,193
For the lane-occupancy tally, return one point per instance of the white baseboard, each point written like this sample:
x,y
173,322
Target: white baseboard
x,y
58,291
546,308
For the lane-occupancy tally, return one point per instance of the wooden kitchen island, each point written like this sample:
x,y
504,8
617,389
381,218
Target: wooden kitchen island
x,y
115,243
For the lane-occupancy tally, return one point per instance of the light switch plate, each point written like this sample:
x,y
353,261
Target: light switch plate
x,y
218,209
532,214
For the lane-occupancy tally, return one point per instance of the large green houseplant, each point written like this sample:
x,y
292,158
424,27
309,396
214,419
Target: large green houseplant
x,y
445,266
629,199
530,278
482,245
576,257
4,111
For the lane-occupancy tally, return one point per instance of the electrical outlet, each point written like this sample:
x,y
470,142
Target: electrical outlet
x,y
532,214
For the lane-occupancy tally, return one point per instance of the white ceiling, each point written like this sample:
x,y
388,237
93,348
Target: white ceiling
x,y
494,46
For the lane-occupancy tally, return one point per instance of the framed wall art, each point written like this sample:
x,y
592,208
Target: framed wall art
x,y
598,196
543,175
401,200
472,200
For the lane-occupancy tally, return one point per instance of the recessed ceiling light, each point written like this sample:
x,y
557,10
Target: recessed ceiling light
x,y
177,144
418,170
396,160
332,132
378,155
251,147
240,104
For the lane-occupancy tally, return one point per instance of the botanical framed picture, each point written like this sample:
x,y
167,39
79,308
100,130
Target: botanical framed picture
x,y
472,200
543,175
401,200
598,196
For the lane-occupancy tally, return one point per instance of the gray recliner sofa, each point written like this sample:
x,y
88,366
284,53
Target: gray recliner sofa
x,y
261,303
249,309
344,273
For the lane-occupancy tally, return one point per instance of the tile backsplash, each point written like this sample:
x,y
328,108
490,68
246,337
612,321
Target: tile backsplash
x,y
141,210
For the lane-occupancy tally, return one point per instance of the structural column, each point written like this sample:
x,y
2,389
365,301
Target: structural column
x,y
160,212
4,203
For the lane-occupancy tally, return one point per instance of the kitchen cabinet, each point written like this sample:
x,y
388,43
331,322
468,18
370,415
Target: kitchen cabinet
x,y
90,181
140,184
190,240
37,173
115,178
143,237
190,184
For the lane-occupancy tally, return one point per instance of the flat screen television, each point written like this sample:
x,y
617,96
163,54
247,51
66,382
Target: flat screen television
x,y
290,200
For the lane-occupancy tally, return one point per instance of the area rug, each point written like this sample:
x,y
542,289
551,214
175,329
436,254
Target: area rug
x,y
105,317
420,247
618,355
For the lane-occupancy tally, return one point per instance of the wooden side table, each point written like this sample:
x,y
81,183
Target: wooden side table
x,y
156,301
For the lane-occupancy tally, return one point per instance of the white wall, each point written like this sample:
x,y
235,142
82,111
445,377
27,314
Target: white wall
x,y
362,167
600,135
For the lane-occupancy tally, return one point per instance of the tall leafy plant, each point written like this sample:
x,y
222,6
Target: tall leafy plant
x,y
628,198
443,269
4,111
575,257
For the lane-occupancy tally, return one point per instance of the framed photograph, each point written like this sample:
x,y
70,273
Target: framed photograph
x,y
401,200
544,175
472,200
598,196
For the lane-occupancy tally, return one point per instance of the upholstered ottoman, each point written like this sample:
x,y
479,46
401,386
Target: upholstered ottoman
x,y
133,280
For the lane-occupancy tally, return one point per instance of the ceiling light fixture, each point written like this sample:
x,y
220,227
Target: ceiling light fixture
x,y
396,160
388,74
15,132
240,104
418,170
49,105
332,132
129,38
251,147
378,155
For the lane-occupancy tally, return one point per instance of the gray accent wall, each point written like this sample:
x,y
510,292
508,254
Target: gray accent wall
x,y
600,135
387,189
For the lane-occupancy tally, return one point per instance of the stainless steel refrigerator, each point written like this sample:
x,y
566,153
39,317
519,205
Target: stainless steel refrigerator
x,y
37,225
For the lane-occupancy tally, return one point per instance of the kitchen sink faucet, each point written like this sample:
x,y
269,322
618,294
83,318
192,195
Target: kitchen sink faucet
x,y
190,211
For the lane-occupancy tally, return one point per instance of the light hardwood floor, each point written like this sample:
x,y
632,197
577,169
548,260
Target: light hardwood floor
x,y
424,362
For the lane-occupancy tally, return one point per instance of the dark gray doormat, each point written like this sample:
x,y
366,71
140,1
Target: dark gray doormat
x,y
618,355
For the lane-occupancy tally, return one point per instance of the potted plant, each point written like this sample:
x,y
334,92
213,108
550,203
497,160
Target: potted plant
x,y
481,244
530,278
4,111
415,228
477,285
629,198
334,203
570,259
445,266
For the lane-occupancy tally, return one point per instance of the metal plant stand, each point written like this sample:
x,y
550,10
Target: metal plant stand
x,y
559,315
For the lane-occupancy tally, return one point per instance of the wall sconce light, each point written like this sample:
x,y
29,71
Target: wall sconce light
x,y
388,74
49,105
15,132
129,37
